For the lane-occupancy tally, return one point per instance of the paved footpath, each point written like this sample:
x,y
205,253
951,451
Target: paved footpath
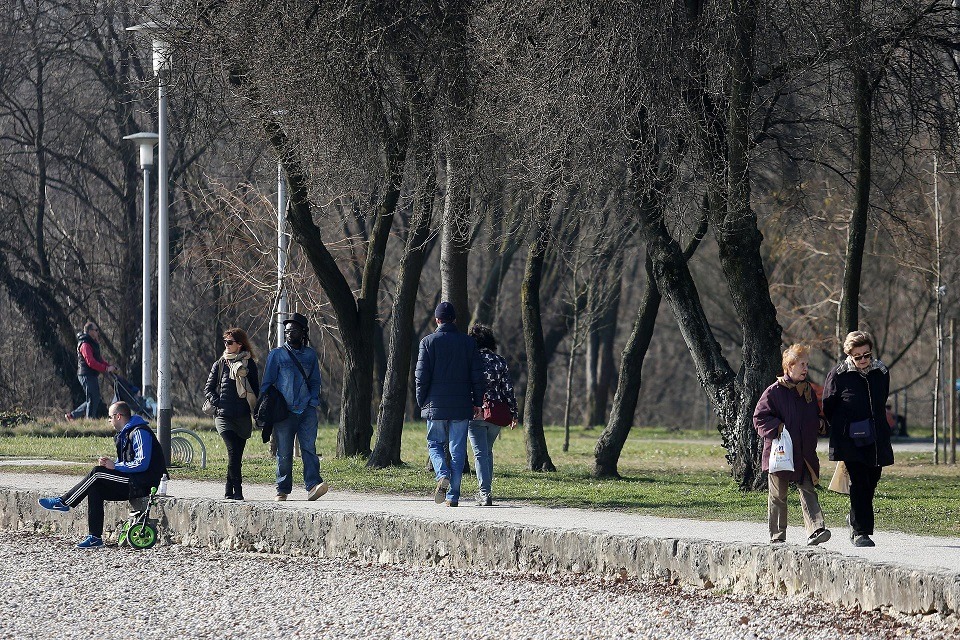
x,y
915,552
244,595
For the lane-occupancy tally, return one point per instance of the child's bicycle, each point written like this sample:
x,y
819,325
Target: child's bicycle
x,y
140,531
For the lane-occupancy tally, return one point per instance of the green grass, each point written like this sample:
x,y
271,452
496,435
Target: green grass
x,y
665,473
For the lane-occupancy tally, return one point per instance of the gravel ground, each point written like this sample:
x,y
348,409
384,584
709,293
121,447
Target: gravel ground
x,y
50,590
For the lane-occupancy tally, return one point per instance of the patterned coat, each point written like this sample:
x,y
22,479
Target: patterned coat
x,y
499,386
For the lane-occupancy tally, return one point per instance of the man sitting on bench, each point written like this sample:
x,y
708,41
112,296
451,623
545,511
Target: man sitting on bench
x,y
138,467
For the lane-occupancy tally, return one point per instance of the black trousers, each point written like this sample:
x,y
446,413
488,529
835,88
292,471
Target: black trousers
x,y
100,484
863,485
235,445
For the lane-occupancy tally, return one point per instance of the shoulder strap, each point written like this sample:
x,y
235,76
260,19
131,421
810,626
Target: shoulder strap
x,y
296,362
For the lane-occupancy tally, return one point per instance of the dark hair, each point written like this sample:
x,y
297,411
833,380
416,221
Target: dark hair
x,y
238,334
90,325
484,337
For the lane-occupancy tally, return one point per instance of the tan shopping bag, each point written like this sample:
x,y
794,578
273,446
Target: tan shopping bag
x,y
841,479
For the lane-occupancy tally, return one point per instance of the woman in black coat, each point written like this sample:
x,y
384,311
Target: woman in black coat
x,y
232,389
854,396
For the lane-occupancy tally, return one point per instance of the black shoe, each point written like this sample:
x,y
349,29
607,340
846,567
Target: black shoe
x,y
818,536
236,496
863,541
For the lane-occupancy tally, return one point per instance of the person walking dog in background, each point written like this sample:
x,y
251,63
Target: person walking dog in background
x,y
790,403
138,468
231,390
854,396
449,380
90,364
294,370
499,410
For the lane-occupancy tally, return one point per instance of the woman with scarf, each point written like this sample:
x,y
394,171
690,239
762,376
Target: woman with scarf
x,y
854,396
231,389
790,403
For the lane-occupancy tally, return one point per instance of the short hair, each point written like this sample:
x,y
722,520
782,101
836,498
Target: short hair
x,y
856,339
483,336
239,335
122,408
793,353
90,325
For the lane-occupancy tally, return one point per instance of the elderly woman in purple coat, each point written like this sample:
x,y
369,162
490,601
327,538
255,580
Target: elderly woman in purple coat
x,y
790,403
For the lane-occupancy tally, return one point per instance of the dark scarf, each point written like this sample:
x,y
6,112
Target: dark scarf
x,y
803,388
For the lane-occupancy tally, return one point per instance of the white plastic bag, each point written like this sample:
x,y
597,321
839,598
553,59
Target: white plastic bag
x,y
781,453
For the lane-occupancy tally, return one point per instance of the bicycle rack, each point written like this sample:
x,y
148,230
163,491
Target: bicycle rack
x,y
181,448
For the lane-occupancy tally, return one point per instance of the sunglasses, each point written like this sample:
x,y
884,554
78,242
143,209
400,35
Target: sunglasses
x,y
862,357
229,342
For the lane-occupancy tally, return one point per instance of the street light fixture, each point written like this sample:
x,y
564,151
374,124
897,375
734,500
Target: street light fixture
x,y
161,64
146,142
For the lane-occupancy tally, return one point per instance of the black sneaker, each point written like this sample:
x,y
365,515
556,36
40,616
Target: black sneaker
x,y
489,501
863,541
818,536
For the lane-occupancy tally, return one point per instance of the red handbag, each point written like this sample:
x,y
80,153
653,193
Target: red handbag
x,y
497,413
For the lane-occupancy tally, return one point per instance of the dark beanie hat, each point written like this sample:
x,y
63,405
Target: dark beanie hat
x,y
445,312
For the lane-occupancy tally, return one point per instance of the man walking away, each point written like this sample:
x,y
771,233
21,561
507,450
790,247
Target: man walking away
x,y
294,370
90,364
450,387
138,468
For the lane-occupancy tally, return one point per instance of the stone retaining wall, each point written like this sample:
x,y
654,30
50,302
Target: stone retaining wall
x,y
383,538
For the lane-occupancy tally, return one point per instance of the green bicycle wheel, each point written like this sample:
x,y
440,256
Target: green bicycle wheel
x,y
142,536
124,536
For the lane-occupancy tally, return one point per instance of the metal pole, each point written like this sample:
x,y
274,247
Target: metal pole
x,y
146,378
939,293
282,302
164,405
952,389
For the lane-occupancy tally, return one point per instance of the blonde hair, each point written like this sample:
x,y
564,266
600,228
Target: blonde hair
x,y
856,339
793,353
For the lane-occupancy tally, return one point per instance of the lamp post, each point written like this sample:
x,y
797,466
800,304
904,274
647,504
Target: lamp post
x,y
282,303
161,63
146,142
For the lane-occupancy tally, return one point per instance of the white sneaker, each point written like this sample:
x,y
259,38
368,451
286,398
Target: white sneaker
x,y
317,491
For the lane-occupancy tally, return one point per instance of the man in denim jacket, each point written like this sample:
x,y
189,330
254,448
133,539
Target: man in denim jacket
x,y
301,390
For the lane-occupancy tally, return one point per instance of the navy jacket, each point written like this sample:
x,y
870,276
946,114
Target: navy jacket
x,y
450,380
139,456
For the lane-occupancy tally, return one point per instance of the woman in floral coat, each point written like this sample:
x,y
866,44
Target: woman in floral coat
x,y
500,405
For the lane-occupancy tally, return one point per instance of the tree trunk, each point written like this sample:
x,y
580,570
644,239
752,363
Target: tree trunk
x,y
611,441
602,366
538,458
739,241
386,451
849,317
455,243
485,311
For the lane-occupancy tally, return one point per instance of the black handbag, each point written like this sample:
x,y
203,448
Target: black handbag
x,y
271,408
862,432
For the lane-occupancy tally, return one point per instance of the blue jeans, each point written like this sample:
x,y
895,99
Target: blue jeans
x,y
454,434
91,406
482,436
304,427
